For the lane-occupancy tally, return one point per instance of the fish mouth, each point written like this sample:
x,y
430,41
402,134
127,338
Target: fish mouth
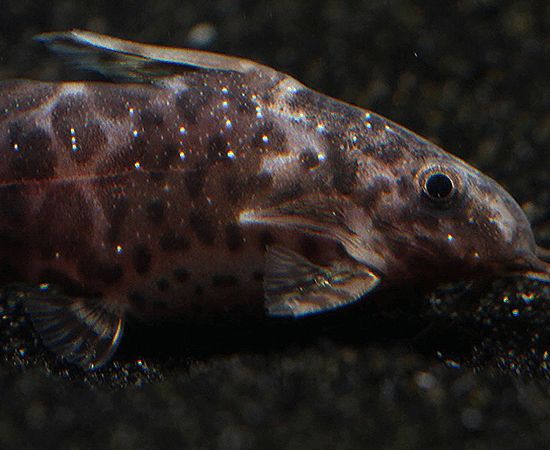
x,y
532,265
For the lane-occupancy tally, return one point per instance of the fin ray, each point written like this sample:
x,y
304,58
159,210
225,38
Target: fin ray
x,y
323,217
295,287
115,57
82,331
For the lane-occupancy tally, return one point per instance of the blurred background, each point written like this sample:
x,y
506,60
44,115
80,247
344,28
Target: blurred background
x,y
473,77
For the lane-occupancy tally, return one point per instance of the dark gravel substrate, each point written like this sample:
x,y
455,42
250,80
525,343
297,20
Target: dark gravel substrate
x,y
464,367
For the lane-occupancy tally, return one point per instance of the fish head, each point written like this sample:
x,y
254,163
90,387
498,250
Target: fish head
x,y
445,219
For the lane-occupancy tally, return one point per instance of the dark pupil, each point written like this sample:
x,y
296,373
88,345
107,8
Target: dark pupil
x,y
439,186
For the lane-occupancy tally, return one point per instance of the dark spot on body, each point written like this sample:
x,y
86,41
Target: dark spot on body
x,y
267,97
237,92
235,187
372,194
89,139
265,239
181,274
343,167
141,258
64,223
77,129
194,182
203,228
386,152
13,204
19,96
156,176
316,106
260,181
224,280
170,241
156,210
159,305
137,300
393,155
405,185
309,159
245,105
152,150
151,118
114,100
95,268
233,237
163,284
217,148
116,213
190,102
287,193
199,289
34,159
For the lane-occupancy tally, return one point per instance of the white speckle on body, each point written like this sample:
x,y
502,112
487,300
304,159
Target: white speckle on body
x,y
73,140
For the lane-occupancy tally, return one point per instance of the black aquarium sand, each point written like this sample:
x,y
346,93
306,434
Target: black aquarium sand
x,y
464,366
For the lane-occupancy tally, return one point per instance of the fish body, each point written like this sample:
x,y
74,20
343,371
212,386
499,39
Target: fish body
x,y
201,183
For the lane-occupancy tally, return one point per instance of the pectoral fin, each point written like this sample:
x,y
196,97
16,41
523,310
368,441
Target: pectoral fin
x,y
293,286
82,331
335,219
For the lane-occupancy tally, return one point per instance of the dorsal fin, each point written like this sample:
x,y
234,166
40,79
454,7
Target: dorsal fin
x,y
115,57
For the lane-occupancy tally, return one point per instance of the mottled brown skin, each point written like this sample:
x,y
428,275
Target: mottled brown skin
x,y
136,202
161,199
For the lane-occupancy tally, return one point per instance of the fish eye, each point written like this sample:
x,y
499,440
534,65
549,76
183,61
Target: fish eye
x,y
439,187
